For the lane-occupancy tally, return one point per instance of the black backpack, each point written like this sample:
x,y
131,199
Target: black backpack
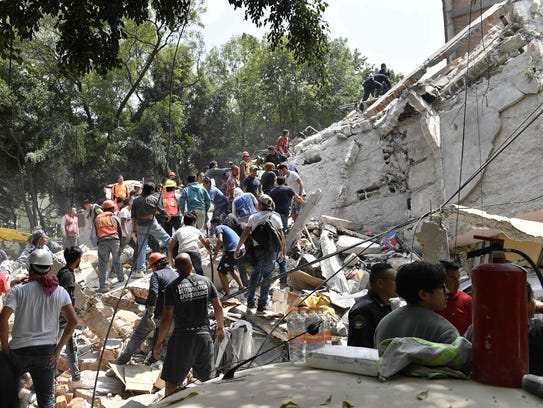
x,y
267,236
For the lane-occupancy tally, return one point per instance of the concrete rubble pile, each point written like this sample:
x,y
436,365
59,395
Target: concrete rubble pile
x,y
315,239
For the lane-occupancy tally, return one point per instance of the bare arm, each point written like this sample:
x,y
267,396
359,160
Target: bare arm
x,y
69,314
299,198
165,325
281,253
218,246
4,327
219,317
170,249
242,240
301,184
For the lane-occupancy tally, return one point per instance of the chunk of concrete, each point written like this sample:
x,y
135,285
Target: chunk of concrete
x,y
330,266
363,247
339,222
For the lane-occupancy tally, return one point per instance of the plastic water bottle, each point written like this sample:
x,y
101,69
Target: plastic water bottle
x,y
296,346
326,328
314,341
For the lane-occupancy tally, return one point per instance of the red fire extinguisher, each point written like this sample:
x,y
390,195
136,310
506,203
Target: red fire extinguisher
x,y
500,313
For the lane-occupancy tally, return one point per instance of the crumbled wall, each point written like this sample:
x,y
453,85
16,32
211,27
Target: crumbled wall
x,y
405,161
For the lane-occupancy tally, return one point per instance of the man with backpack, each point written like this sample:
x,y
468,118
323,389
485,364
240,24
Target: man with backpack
x,y
266,230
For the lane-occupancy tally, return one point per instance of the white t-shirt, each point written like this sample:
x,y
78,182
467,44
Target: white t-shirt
x,y
125,213
292,181
261,216
36,314
188,238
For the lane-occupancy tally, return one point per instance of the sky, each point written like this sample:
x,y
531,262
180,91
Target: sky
x,y
400,33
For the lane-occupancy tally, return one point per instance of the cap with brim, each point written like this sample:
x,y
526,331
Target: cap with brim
x,y
41,268
266,201
253,168
270,147
36,235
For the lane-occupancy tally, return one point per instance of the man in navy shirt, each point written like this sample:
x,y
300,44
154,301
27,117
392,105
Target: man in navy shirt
x,y
368,311
251,183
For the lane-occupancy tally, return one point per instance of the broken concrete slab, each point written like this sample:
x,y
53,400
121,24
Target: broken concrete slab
x,y
330,266
340,222
365,246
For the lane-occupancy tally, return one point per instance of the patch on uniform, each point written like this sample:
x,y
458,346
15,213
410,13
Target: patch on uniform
x,y
359,322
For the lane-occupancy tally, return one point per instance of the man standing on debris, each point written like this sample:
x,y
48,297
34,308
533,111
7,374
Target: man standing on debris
x,y
169,201
186,301
251,183
162,275
144,224
376,85
120,189
458,310
109,232
422,286
188,238
283,146
37,305
243,205
273,156
244,166
370,309
265,256
195,197
267,179
217,198
66,279
227,240
69,225
294,181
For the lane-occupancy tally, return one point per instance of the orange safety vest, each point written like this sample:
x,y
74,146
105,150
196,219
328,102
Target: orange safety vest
x,y
121,191
169,202
71,225
105,225
247,172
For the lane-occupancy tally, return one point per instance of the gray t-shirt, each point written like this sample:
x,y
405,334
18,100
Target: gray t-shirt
x,y
36,314
415,321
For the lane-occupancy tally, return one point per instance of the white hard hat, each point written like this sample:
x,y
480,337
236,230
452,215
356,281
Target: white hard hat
x,y
40,260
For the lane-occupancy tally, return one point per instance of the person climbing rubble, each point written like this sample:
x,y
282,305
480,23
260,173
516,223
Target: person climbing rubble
x,y
264,254
37,305
162,276
186,302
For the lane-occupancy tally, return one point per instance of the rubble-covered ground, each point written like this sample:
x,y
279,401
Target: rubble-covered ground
x,y
339,279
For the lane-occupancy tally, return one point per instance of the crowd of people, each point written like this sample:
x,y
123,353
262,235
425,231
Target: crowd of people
x,y
228,203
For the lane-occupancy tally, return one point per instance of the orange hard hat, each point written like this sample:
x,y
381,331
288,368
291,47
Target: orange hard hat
x,y
155,257
108,204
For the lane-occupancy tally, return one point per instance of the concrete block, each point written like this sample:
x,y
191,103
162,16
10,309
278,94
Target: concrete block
x,y
363,248
61,402
339,222
78,402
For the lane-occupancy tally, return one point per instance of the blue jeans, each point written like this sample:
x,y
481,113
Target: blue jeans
x,y
196,260
71,352
264,269
106,247
35,360
283,264
143,232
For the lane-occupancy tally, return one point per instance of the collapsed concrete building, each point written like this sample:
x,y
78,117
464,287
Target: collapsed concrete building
x,y
473,122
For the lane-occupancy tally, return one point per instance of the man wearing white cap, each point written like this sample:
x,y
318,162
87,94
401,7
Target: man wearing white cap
x,y
264,253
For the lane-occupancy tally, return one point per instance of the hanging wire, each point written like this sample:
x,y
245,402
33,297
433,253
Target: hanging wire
x,y
463,125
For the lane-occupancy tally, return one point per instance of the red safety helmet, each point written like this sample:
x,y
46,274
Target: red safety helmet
x,y
155,257
108,204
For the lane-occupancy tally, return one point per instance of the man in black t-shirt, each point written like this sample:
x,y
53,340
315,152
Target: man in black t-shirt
x,y
191,346
66,279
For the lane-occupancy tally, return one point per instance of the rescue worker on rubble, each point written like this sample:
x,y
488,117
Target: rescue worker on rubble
x,y
186,302
37,240
162,275
37,305
368,311
144,224
109,232
169,202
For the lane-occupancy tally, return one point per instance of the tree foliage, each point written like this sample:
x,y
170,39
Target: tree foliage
x,y
68,130
90,31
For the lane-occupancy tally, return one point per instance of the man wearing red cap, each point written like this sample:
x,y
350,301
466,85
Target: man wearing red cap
x,y
244,166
